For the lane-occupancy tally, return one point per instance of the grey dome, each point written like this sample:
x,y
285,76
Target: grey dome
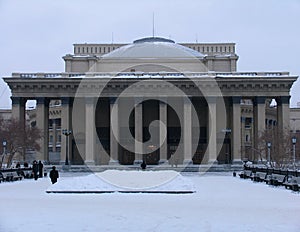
x,y
153,47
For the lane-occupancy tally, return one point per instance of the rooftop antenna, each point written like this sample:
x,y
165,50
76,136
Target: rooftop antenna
x,y
196,38
112,38
153,25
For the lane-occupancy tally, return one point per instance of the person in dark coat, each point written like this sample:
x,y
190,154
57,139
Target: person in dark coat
x,y
41,166
54,175
35,169
143,165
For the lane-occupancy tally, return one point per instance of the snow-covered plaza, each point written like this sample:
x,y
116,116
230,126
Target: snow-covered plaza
x,y
220,202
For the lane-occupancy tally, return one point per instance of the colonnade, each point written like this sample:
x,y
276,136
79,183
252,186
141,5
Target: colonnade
x,y
42,118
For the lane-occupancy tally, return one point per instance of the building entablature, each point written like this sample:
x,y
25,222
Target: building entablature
x,y
54,85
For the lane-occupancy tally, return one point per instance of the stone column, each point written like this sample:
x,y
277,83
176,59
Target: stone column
x,y
90,131
243,137
42,122
187,131
236,130
259,110
18,109
283,114
66,122
212,129
114,136
54,135
138,131
163,118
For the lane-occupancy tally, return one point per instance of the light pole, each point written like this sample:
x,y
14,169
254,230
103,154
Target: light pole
x,y
294,140
269,144
4,151
67,133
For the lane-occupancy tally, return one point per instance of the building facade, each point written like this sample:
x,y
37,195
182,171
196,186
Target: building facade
x,y
152,100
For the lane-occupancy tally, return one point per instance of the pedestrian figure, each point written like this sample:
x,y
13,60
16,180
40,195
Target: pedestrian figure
x,y
18,165
41,166
54,175
35,169
143,165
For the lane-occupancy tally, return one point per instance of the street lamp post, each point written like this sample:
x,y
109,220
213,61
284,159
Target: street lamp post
x,y
67,133
4,146
269,152
294,140
4,143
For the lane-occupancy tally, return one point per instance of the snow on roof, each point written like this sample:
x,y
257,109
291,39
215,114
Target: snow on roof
x,y
153,48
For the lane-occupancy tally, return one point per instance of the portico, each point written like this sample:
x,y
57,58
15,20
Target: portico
x,y
100,144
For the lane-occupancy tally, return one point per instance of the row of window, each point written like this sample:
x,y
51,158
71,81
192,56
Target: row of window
x,y
102,50
220,49
57,149
93,50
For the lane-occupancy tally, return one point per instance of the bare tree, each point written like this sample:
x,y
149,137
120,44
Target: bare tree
x,y
281,147
19,138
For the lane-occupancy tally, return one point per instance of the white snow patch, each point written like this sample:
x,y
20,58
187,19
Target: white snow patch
x,y
115,180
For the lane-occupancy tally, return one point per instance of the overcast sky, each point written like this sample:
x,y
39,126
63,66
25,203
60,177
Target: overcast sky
x,y
36,34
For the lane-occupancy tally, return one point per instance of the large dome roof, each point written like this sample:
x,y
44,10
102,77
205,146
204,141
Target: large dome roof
x,y
153,47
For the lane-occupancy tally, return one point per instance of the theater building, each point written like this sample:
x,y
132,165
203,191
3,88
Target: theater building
x,y
153,100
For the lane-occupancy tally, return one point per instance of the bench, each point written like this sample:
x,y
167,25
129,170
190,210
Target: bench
x,y
259,176
1,177
293,183
245,174
16,176
276,179
11,176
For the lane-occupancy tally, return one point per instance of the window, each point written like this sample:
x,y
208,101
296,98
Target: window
x,y
58,122
248,123
50,124
247,138
51,139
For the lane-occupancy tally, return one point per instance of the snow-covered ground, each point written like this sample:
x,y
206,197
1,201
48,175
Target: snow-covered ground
x,y
221,203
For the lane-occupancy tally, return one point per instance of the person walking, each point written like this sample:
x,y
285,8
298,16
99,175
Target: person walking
x,y
143,165
54,175
35,169
41,169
